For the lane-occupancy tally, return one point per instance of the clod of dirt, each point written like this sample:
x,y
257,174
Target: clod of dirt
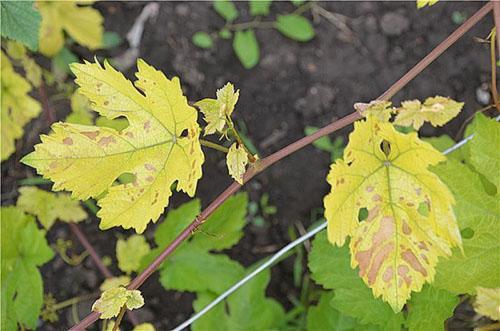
x,y
318,97
394,23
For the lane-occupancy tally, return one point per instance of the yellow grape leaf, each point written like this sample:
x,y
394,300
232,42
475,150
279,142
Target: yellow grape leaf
x,y
48,206
113,282
82,23
488,302
18,108
410,220
112,300
160,146
236,160
423,3
130,252
216,111
18,52
81,113
144,327
436,110
379,108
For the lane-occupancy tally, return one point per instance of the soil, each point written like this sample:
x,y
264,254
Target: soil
x,y
294,85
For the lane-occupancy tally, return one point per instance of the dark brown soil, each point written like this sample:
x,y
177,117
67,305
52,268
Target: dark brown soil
x,y
295,84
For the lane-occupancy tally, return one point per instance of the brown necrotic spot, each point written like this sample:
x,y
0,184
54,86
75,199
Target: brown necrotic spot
x,y
106,102
377,197
412,260
147,125
106,141
369,188
90,134
129,134
150,178
406,228
403,273
388,273
378,260
149,167
68,141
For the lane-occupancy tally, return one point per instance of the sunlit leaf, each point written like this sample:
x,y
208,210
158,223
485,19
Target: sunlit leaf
x,y
112,300
488,302
83,23
113,282
396,247
49,207
130,252
423,3
437,111
236,161
216,111
159,147
18,108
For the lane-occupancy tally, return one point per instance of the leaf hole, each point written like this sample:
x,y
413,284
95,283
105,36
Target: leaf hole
x,y
126,178
184,133
362,214
423,209
467,233
385,147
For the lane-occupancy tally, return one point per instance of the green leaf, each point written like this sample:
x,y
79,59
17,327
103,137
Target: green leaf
x,y
259,7
484,148
246,47
248,309
225,34
111,39
63,59
325,317
21,22
297,2
195,270
202,40
478,214
430,308
226,9
176,220
444,142
23,248
331,267
295,27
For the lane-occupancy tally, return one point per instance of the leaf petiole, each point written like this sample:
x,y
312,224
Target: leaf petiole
x,y
215,146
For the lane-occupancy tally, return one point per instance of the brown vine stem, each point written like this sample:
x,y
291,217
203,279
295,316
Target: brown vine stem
x,y
82,238
259,166
496,16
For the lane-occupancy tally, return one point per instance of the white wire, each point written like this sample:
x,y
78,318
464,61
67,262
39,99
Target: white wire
x,y
281,252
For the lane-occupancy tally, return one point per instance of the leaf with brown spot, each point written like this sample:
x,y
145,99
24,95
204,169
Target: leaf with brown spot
x,y
87,160
396,247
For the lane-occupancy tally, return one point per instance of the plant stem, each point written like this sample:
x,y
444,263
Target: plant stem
x,y
75,300
119,318
494,90
303,8
239,140
213,145
260,165
37,180
249,25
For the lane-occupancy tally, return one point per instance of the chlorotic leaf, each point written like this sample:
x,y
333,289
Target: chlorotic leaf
x,y
32,70
144,327
488,302
295,27
18,108
226,9
259,7
23,249
423,3
112,300
330,267
246,48
130,252
478,214
430,308
202,40
49,207
484,154
397,246
83,23
81,112
110,283
21,22
216,111
154,147
380,109
437,110
237,160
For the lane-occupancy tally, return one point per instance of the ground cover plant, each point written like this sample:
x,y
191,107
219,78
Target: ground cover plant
x,y
114,212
